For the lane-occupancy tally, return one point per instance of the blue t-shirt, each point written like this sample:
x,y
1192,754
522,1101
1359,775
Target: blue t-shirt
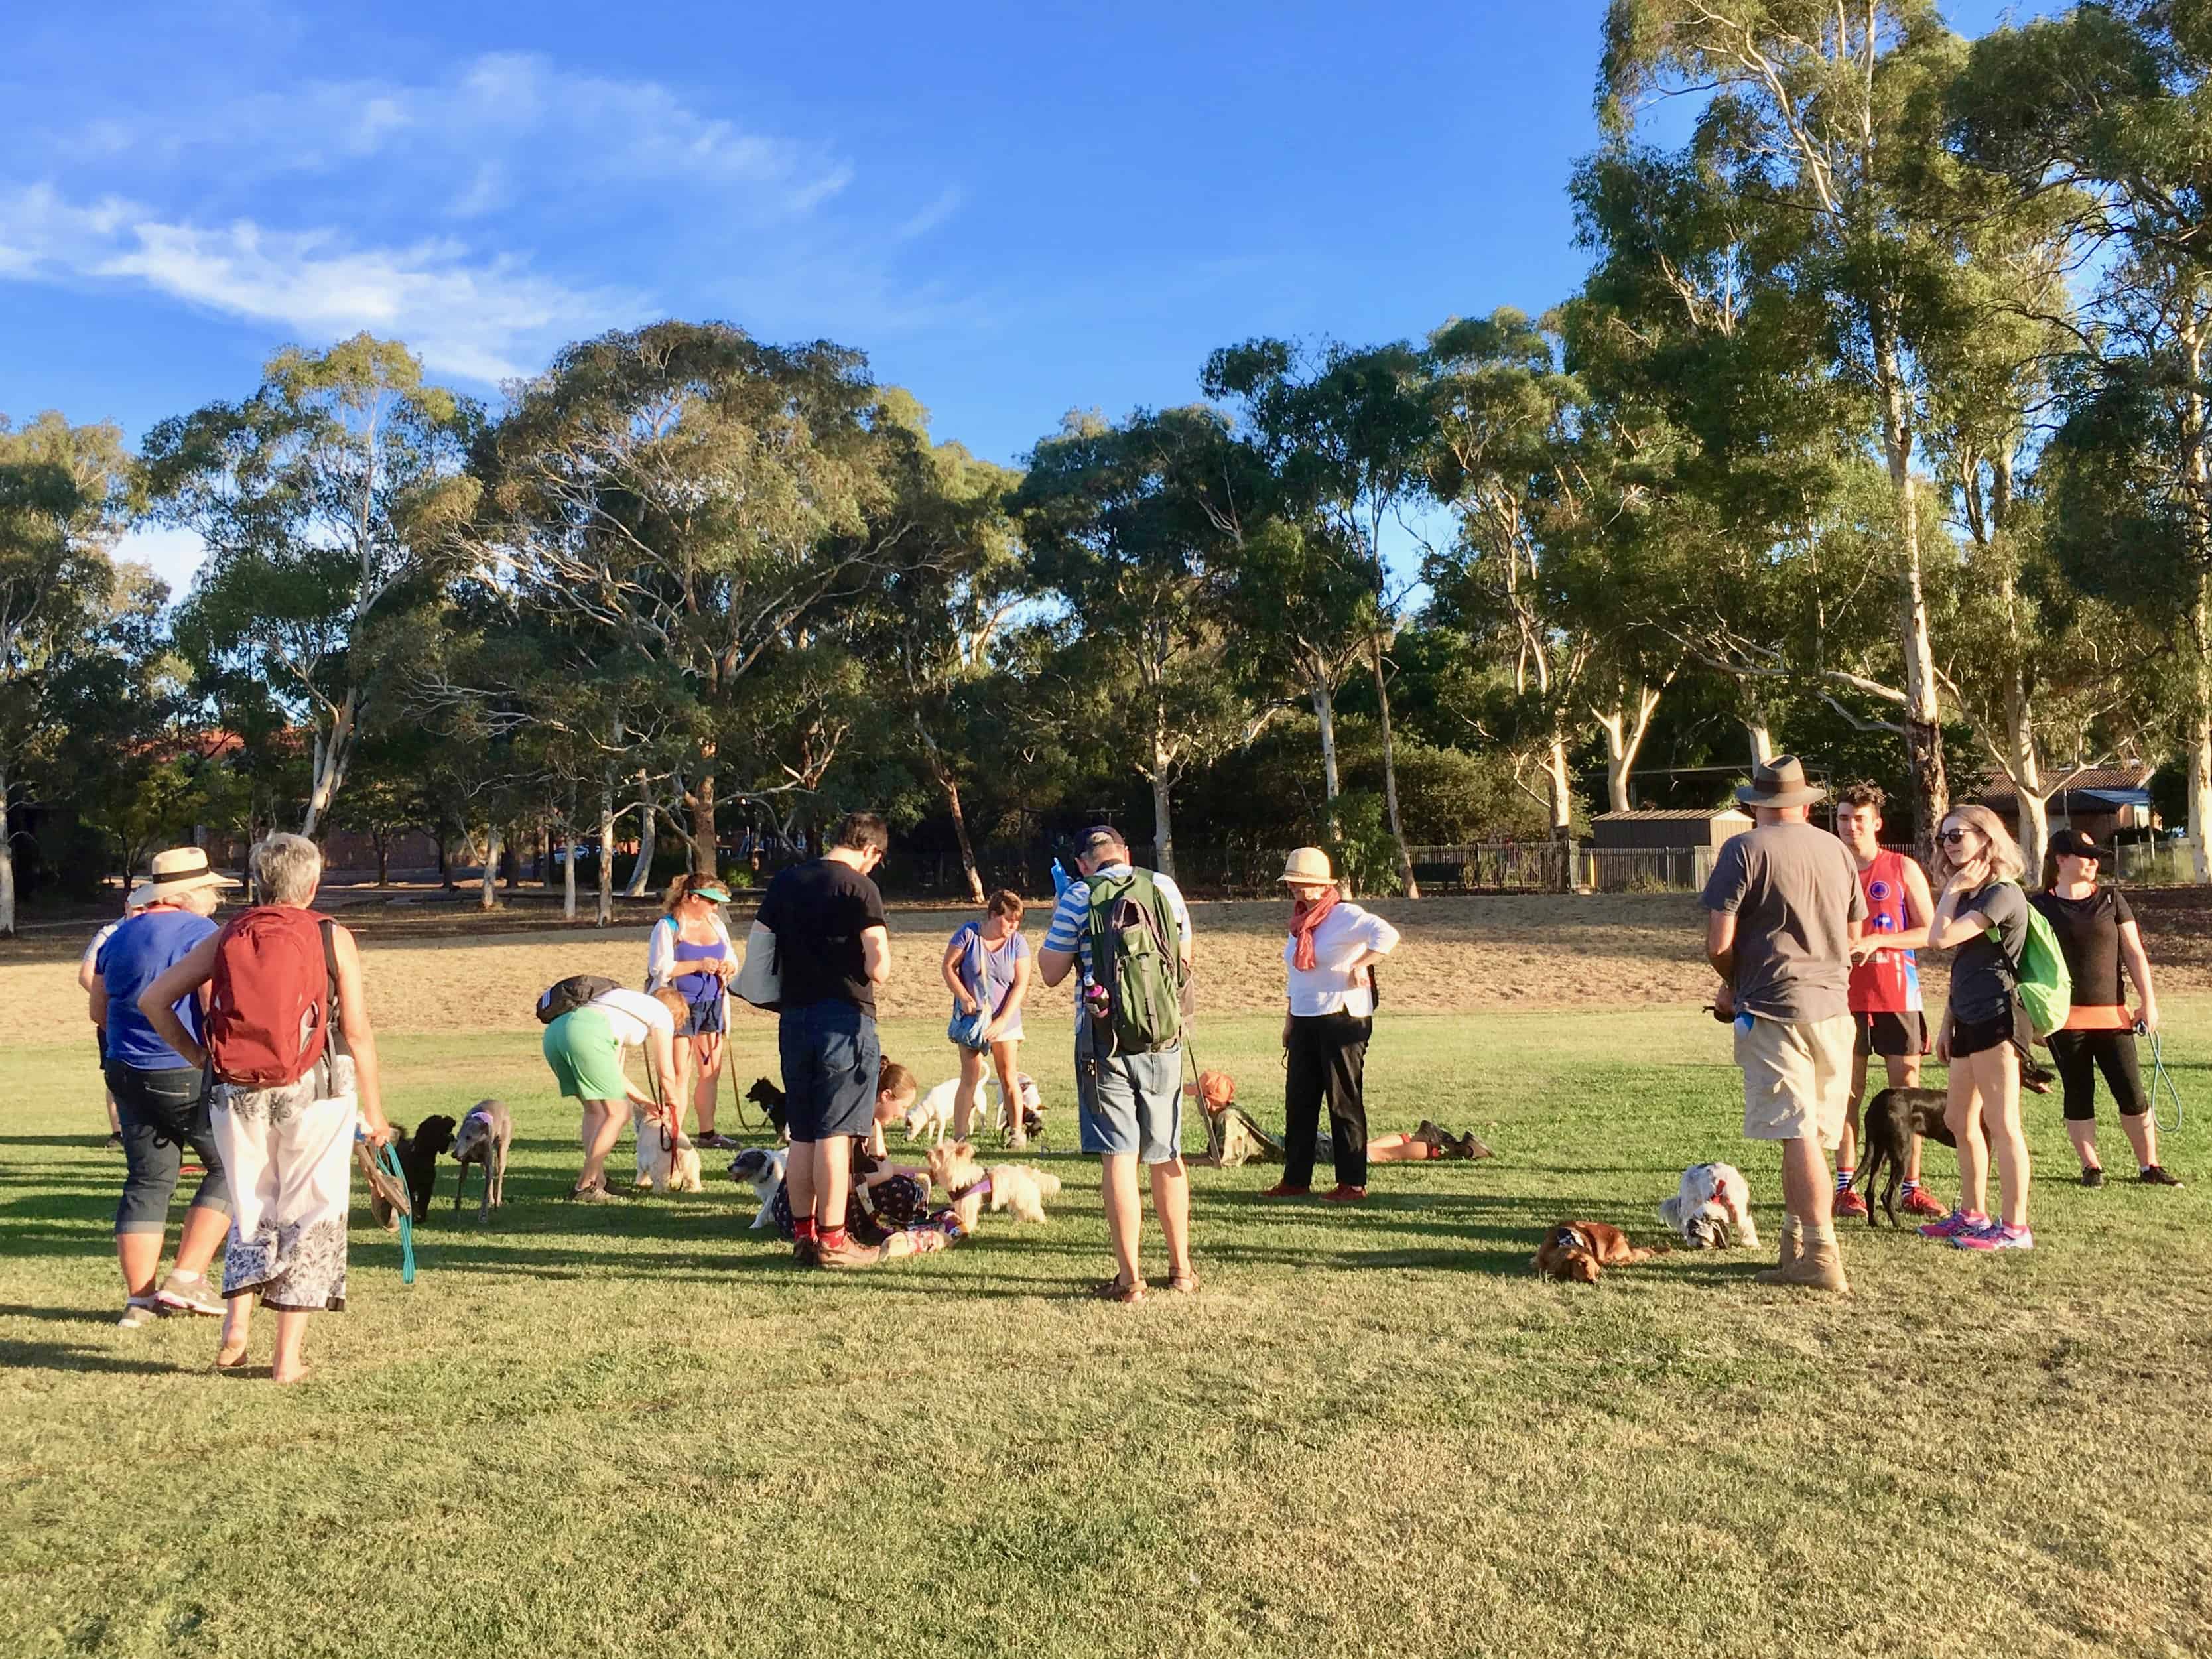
x,y
142,949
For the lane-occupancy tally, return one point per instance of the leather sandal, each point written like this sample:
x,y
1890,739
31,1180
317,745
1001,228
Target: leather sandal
x,y
1120,1291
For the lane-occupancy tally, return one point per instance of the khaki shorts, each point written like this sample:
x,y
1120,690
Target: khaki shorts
x,y
1797,1078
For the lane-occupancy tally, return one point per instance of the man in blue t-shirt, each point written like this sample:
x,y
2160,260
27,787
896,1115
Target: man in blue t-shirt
x,y
160,1099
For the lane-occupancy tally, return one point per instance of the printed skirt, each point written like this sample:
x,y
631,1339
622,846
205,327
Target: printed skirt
x,y
288,1151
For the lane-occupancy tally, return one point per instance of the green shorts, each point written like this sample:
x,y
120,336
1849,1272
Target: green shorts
x,y
586,1059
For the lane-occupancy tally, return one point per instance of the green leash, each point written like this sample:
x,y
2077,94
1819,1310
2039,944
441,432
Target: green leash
x,y
388,1161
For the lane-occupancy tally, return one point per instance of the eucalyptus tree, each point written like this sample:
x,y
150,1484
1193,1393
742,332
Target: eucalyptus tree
x,y
1121,543
1818,115
325,500
707,500
2109,105
65,500
1346,430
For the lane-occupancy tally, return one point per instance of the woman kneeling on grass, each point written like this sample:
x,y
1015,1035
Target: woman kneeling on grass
x,y
585,1048
887,1205
1982,897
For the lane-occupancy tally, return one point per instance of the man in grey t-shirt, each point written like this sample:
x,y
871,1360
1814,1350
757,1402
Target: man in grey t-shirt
x,y
1785,908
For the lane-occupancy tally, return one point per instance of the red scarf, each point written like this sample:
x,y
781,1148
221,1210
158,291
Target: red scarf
x,y
1308,915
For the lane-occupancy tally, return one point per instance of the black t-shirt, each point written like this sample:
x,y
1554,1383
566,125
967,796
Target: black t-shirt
x,y
817,912
2088,932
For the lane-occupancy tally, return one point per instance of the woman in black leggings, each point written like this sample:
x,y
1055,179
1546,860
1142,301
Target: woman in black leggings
x,y
2097,933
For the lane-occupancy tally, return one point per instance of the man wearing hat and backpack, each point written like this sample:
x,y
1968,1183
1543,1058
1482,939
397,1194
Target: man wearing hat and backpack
x,y
1130,931
161,1095
1785,908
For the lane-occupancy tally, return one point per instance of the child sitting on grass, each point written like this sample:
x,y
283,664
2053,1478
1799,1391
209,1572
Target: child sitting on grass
x,y
887,1209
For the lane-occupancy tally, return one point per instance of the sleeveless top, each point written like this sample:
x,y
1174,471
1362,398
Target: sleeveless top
x,y
1888,982
698,986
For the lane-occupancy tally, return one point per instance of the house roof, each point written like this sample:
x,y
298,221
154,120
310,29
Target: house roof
x,y
1669,815
1999,793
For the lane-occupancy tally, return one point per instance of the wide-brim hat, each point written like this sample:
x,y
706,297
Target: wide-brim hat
x,y
1307,867
1780,782
2076,844
179,869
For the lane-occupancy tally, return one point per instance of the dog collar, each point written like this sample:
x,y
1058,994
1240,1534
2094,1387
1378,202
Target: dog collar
x,y
1572,1238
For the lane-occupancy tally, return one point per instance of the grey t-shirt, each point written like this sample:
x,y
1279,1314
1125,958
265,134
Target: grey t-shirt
x,y
1794,892
1982,973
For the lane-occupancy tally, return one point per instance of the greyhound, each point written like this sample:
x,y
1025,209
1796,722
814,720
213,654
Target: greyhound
x,y
485,1134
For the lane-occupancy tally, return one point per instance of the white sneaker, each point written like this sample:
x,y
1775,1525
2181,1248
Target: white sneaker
x,y
188,1294
136,1312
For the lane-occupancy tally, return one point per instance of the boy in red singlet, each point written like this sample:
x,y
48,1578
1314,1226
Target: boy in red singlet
x,y
1885,991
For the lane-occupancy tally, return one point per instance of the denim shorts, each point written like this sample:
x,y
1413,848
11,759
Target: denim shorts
x,y
831,1059
1130,1105
161,1114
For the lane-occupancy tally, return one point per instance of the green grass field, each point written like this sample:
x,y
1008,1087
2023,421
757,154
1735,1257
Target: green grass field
x,y
636,1430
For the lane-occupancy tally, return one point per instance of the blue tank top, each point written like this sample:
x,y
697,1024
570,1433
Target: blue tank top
x,y
698,986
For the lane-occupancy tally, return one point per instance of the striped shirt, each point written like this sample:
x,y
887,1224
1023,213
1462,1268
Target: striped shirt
x,y
1069,933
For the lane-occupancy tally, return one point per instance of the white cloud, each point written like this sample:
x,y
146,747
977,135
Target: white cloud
x,y
517,112
485,317
175,556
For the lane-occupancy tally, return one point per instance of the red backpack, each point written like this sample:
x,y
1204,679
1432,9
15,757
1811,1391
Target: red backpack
x,y
271,1002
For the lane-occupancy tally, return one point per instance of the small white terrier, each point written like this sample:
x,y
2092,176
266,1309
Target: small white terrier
x,y
1712,1208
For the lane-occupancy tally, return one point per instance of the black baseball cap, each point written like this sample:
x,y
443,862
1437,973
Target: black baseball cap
x,y
1098,836
2073,844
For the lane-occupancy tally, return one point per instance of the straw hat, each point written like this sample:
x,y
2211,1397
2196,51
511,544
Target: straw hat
x,y
179,869
1780,782
1307,867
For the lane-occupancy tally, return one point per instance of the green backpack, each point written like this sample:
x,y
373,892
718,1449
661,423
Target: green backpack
x,y
1136,957
2046,987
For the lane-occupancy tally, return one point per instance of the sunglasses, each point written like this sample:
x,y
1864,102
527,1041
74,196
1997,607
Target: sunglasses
x,y
1953,837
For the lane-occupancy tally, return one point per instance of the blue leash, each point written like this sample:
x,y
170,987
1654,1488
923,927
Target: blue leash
x,y
388,1161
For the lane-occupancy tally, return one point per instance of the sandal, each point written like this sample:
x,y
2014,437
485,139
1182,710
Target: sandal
x,y
1184,1284
227,1360
1117,1289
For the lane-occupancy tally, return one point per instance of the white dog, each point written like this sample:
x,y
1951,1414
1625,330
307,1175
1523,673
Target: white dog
x,y
662,1166
932,1116
1712,1208
1032,1102
760,1168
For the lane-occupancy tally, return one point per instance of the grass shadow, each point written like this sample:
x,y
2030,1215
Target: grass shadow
x,y
70,1357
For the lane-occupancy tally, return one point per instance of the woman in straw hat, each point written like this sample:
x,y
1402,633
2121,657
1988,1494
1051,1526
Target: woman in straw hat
x,y
161,1097
1332,945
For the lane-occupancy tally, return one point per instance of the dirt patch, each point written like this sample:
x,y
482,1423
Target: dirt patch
x,y
446,972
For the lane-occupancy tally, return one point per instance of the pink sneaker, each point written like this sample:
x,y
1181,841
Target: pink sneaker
x,y
1999,1237
1954,1224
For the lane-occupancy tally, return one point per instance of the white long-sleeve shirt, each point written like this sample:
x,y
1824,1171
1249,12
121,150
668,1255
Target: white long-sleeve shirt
x,y
1326,989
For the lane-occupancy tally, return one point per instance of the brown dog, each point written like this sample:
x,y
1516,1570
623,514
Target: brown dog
x,y
1581,1250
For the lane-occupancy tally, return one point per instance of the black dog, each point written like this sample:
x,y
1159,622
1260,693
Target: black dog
x,y
1886,1131
769,1098
418,1157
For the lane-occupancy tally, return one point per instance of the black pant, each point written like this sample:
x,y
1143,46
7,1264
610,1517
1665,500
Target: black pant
x,y
1327,1056
161,1114
2080,1056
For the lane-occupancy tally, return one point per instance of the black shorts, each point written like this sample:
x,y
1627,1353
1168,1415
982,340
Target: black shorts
x,y
1978,1037
2080,1056
1900,1034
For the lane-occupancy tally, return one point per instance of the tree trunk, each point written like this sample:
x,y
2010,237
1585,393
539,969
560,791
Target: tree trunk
x,y
384,860
1924,714
1560,789
8,867
568,871
514,861
1163,816
606,911
649,814
1324,704
1762,738
1390,771
2032,816
960,833
332,755
1624,741
702,814
488,897
445,867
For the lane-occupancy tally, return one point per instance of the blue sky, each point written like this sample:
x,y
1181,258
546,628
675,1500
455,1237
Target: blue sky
x,y
1014,210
